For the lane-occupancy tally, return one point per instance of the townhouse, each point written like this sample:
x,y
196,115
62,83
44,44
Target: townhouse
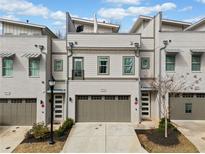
x,y
101,75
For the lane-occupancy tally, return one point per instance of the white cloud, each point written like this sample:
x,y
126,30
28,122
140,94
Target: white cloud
x,y
120,13
115,13
58,15
201,1
10,17
136,2
187,8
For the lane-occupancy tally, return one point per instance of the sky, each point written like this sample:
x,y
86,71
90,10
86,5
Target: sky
x,y
124,12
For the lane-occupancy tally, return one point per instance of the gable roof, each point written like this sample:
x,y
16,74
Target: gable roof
x,y
195,24
29,25
116,27
148,18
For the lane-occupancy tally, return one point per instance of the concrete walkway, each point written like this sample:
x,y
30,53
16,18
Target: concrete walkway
x,y
11,137
194,130
103,137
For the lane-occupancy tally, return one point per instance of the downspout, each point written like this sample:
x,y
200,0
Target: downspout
x,y
137,54
165,42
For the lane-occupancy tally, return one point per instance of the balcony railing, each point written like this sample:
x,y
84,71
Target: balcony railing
x,y
77,74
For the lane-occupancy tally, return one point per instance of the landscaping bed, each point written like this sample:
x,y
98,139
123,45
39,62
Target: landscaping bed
x,y
154,141
37,141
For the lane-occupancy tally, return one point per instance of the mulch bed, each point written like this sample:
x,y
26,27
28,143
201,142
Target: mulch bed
x,y
155,142
33,145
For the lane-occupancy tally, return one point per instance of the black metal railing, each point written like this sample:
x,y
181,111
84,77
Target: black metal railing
x,y
77,74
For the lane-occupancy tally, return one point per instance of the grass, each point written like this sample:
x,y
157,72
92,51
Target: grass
x,y
155,142
41,145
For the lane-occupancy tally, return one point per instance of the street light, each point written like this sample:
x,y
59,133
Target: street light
x,y
51,83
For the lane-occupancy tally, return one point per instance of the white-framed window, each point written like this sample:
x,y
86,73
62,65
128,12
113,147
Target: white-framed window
x,y
7,67
196,63
34,67
170,62
58,65
128,65
103,65
145,63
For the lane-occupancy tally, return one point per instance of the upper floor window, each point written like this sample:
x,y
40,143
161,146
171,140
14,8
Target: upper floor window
x,y
128,65
78,68
34,67
7,67
196,63
188,107
58,65
145,63
170,62
103,65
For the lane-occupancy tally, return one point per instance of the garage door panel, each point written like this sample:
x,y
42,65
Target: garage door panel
x,y
178,107
102,109
18,112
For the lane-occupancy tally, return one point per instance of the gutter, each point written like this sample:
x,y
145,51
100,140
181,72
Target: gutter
x,y
137,54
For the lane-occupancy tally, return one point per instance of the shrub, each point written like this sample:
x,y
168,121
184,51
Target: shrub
x,y
162,124
68,123
39,130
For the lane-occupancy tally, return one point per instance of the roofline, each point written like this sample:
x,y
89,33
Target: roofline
x,y
28,24
100,23
195,24
141,17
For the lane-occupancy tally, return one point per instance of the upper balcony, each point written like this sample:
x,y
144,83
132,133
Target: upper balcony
x,y
106,40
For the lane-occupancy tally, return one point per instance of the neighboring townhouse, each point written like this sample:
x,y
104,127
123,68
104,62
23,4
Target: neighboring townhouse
x,y
184,56
25,62
101,75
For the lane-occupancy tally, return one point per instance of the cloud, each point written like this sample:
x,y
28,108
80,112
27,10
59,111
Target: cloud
x,y
136,2
120,13
58,15
201,1
10,17
115,13
187,8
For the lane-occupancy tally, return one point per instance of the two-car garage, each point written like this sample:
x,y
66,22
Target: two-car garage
x,y
187,106
17,112
108,108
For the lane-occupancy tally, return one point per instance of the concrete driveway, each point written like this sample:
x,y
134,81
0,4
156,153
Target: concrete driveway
x,y
102,137
194,130
11,137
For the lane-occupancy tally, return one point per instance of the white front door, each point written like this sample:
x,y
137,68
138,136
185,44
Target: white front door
x,y
58,106
145,109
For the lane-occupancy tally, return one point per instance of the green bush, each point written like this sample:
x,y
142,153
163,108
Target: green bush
x,y
68,123
162,124
39,130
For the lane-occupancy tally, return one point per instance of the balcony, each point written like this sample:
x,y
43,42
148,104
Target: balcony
x,y
77,74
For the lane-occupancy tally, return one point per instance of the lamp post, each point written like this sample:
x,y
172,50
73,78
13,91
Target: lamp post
x,y
51,84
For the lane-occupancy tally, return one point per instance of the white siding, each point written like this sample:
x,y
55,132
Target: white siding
x,y
20,29
104,40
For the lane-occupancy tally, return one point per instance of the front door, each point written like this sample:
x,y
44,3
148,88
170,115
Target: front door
x,y
145,101
58,106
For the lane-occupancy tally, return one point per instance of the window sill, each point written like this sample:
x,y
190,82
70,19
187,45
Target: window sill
x,y
7,76
170,71
196,71
34,76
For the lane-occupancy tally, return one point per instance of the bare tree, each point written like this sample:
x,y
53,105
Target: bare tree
x,y
172,84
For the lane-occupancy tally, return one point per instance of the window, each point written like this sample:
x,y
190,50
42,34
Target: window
x,y
103,65
145,63
78,68
188,108
170,62
34,67
58,65
196,63
7,67
128,65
